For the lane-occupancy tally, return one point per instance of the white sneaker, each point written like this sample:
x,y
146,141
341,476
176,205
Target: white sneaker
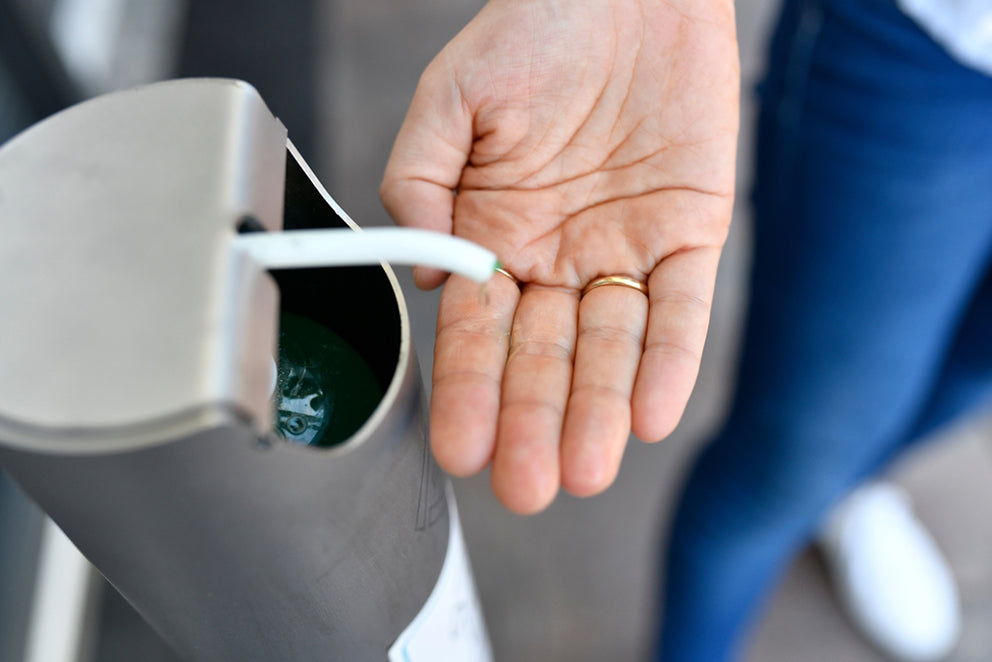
x,y
890,576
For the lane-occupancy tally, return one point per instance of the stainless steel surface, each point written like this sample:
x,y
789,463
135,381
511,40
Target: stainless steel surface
x,y
234,546
121,308
235,551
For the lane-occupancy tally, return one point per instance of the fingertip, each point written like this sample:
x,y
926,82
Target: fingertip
x,y
589,470
462,429
665,382
655,418
589,466
592,449
524,498
458,464
525,476
587,481
652,431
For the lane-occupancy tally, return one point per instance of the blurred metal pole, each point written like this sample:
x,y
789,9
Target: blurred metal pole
x,y
32,64
62,624
271,44
21,527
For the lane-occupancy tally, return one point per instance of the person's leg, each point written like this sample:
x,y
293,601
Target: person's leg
x,y
964,379
872,230
887,571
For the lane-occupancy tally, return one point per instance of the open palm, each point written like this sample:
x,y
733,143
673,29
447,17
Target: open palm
x,y
576,139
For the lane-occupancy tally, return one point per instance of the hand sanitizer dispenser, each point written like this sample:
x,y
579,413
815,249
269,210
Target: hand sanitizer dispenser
x,y
242,453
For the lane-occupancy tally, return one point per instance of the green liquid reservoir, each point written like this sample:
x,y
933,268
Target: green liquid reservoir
x,y
325,390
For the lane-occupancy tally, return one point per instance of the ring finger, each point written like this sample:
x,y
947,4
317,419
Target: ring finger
x,y
612,322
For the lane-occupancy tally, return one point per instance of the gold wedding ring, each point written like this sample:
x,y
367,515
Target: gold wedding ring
x,y
501,270
623,281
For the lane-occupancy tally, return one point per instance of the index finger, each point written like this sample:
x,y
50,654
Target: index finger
x,y
473,335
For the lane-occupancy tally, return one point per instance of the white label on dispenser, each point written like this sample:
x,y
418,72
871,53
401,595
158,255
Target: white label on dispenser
x,y
450,625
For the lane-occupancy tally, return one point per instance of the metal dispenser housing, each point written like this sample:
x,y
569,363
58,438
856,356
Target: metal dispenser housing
x,y
134,368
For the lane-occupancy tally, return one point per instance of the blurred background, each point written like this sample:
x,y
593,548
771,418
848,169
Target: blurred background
x,y
579,581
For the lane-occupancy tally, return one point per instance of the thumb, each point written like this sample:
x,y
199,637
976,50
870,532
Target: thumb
x,y
430,152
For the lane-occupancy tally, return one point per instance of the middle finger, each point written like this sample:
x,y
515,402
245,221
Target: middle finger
x,y
536,383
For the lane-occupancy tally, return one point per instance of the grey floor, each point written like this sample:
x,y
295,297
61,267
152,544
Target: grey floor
x,y
578,582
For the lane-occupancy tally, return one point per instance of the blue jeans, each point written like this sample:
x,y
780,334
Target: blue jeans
x,y
870,321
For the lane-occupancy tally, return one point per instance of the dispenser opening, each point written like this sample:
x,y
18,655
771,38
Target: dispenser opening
x,y
339,333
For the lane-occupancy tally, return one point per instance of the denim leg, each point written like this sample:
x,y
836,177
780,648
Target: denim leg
x,y
964,382
873,232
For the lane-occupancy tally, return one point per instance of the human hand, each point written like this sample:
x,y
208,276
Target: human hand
x,y
584,138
